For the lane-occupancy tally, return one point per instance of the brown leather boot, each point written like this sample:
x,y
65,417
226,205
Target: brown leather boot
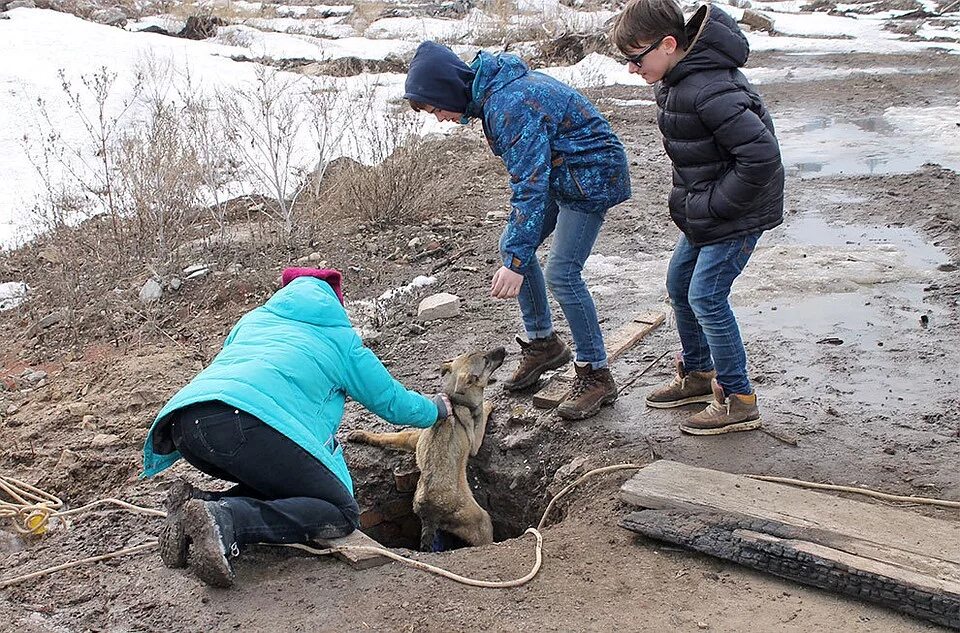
x,y
685,388
591,389
726,414
537,356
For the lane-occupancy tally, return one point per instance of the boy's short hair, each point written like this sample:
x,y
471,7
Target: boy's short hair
x,y
646,21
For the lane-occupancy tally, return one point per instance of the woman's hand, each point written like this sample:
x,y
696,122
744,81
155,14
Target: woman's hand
x,y
444,408
506,284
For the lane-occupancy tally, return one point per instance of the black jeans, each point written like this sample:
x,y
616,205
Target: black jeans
x,y
283,493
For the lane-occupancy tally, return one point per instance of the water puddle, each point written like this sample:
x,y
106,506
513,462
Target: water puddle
x,y
901,140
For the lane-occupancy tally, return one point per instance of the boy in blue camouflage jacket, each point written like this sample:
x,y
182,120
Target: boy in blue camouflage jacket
x,y
567,168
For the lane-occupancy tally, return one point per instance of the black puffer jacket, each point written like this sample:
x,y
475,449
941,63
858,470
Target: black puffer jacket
x,y
727,171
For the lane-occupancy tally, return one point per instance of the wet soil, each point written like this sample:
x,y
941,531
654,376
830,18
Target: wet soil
x,y
849,312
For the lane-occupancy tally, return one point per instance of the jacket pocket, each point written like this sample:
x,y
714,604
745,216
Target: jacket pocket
x,y
222,433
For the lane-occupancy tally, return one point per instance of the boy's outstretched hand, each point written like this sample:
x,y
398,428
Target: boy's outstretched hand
x,y
506,284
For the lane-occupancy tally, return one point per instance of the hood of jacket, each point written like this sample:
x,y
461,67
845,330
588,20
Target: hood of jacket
x,y
716,43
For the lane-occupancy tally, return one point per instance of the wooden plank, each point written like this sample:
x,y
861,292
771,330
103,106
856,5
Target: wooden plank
x,y
907,539
357,560
556,390
783,551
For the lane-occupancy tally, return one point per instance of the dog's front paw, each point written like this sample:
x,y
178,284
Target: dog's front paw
x,y
358,436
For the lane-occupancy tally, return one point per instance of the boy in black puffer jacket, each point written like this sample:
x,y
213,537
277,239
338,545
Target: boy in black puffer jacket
x,y
727,190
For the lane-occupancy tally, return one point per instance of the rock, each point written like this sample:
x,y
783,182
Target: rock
x,y
151,292
442,305
433,245
68,459
89,423
9,543
111,17
12,409
22,4
33,376
175,284
757,20
416,329
4,16
369,337
415,243
53,318
52,255
79,409
101,440
314,257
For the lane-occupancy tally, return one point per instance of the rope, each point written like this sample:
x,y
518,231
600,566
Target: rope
x,y
943,503
83,561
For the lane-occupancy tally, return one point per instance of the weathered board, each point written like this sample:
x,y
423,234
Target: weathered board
x,y
892,557
357,560
557,388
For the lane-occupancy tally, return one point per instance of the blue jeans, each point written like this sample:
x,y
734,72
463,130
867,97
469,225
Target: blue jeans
x,y
698,281
284,494
574,235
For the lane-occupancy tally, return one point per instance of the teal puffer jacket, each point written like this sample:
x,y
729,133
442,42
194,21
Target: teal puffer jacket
x,y
291,363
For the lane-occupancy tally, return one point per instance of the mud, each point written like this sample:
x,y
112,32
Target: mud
x,y
849,312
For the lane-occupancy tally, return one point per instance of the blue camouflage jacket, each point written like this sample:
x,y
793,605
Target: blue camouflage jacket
x,y
554,142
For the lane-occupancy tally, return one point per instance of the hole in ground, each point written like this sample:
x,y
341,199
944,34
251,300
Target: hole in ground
x,y
508,485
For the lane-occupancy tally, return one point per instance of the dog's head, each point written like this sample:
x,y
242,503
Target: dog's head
x,y
466,376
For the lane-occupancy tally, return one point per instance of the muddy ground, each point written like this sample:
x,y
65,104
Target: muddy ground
x,y
850,317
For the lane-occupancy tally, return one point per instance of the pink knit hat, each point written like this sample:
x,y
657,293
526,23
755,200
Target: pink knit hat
x,y
330,275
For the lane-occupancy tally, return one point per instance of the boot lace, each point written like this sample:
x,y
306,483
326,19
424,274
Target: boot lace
x,y
716,407
580,386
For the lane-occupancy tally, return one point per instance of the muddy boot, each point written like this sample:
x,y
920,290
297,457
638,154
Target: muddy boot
x,y
538,356
209,527
173,540
726,414
591,389
685,388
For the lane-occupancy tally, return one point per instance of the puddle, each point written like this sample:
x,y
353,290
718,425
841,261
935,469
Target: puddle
x,y
901,140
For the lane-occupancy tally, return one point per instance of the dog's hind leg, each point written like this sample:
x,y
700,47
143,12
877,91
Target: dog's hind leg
x,y
473,525
404,440
480,429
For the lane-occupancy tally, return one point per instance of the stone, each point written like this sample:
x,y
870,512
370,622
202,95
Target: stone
x,y
442,305
12,409
111,17
757,20
79,409
22,4
33,376
196,271
68,459
51,255
314,257
53,318
151,292
89,423
415,243
102,440
175,283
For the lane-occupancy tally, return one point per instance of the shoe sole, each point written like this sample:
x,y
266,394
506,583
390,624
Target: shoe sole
x,y
670,404
568,414
173,540
531,379
747,425
206,560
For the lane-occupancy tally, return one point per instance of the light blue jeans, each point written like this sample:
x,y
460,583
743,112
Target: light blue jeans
x,y
574,234
699,281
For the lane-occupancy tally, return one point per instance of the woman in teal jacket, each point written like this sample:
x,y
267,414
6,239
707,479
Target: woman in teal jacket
x,y
264,414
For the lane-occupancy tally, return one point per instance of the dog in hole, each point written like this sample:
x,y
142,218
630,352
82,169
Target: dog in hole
x,y
443,500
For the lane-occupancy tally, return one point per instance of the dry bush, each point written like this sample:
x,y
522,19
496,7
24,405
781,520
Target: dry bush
x,y
366,13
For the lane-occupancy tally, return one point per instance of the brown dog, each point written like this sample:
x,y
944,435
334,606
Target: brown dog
x,y
443,499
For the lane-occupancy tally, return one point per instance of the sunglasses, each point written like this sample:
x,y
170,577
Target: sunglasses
x,y
638,58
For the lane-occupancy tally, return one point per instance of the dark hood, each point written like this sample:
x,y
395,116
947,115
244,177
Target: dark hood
x,y
438,78
716,43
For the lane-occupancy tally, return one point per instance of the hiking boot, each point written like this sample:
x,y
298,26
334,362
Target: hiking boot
x,y
173,540
592,388
685,388
537,356
209,528
726,414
